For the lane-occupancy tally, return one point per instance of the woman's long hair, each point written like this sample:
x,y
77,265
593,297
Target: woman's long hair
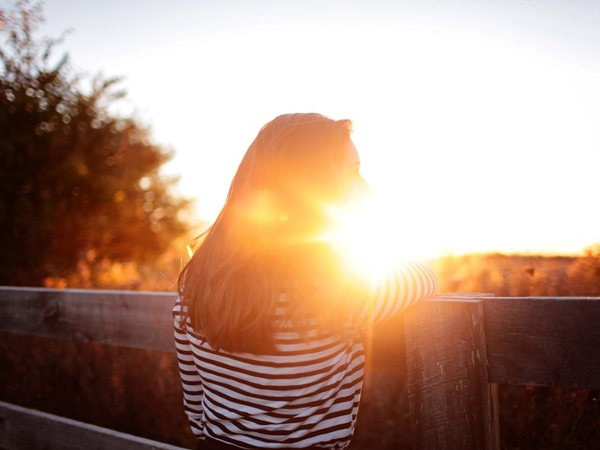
x,y
267,240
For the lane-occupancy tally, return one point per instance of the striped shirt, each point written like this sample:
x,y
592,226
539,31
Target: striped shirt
x,y
306,393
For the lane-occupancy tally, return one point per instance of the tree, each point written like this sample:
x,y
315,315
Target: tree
x,y
76,182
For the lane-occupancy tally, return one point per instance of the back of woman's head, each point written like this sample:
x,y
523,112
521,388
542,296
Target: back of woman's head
x,y
268,236
292,170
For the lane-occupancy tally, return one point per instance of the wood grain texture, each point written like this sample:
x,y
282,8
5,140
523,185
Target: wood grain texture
x,y
22,428
544,341
449,393
139,320
385,341
124,318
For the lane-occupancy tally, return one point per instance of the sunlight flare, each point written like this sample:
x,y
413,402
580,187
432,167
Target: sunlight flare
x,y
366,237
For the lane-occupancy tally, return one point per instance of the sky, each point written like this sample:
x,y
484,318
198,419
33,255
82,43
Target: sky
x,y
477,122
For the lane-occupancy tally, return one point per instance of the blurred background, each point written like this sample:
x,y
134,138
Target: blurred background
x,y
471,110
476,121
122,124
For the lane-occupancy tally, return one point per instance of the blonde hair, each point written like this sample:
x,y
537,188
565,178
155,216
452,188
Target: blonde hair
x,y
265,240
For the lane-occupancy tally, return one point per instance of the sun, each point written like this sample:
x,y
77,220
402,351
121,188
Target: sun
x,y
368,236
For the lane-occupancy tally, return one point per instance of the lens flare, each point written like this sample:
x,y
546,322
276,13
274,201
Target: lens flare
x,y
365,234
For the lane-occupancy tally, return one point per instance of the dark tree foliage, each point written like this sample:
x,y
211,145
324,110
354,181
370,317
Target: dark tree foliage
x,y
75,180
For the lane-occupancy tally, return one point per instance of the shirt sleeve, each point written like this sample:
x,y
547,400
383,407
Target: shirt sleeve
x,y
190,378
402,287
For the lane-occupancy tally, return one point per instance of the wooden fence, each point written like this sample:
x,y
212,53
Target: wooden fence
x,y
458,348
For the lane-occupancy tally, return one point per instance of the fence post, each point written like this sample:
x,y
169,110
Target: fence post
x,y
451,400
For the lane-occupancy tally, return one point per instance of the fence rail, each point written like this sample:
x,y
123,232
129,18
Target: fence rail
x,y
23,428
457,349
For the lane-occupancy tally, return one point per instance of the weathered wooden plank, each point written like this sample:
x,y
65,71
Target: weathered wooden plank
x,y
22,428
125,318
136,319
385,343
459,295
544,341
449,394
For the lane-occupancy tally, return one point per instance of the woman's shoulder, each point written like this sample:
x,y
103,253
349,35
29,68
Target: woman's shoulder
x,y
180,306
182,321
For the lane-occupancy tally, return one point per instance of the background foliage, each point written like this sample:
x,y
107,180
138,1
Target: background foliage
x,y
80,186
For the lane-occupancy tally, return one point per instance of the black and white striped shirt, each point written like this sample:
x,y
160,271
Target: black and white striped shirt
x,y
306,393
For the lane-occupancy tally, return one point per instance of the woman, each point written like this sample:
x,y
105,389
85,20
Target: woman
x,y
268,323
